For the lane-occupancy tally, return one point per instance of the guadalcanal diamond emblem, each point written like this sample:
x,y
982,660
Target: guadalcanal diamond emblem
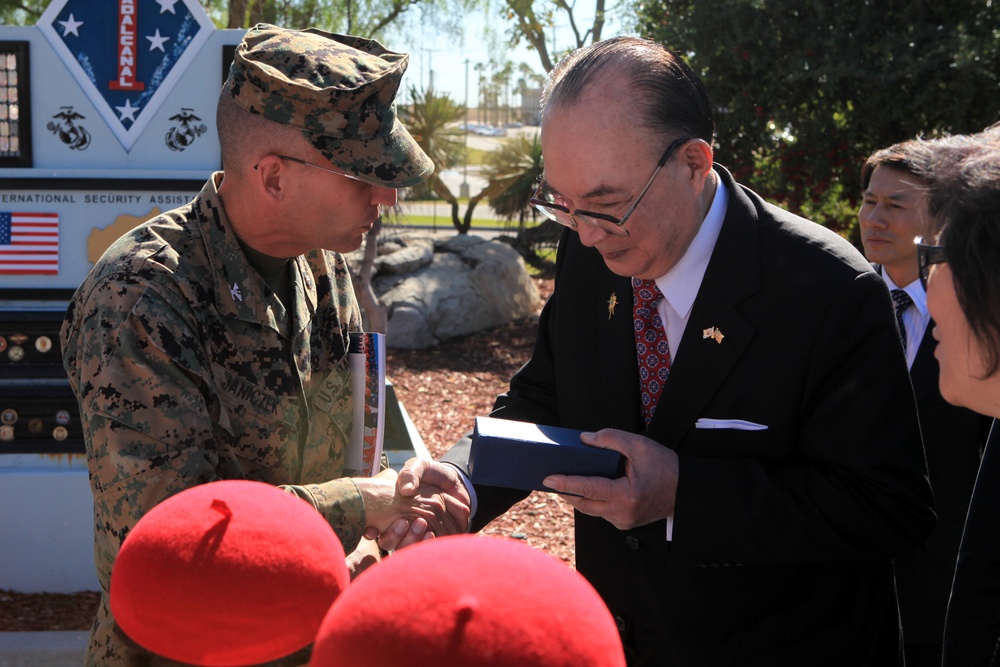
x,y
126,54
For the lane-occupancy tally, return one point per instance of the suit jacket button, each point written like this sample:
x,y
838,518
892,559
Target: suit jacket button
x,y
632,542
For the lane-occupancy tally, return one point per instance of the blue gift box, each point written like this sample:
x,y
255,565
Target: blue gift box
x,y
519,455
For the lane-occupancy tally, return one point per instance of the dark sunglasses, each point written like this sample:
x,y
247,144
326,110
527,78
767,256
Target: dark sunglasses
x,y
927,255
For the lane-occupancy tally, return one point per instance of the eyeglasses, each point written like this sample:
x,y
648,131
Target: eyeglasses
x,y
926,256
316,166
545,201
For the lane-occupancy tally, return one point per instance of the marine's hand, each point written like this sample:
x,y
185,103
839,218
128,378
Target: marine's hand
x,y
416,475
645,494
417,472
398,520
362,558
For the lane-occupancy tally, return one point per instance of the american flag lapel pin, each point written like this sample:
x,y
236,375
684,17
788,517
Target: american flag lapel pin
x,y
712,332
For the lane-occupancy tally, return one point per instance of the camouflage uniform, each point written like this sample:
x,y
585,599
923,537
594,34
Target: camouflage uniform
x,y
188,369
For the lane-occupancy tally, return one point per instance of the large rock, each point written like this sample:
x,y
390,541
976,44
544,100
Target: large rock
x,y
438,288
399,256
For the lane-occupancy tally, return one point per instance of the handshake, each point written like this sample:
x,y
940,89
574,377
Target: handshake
x,y
426,499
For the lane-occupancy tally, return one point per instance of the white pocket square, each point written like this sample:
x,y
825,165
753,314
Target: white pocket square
x,y
734,424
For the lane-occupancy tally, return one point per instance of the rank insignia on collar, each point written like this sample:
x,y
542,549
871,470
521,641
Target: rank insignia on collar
x,y
612,302
712,332
234,292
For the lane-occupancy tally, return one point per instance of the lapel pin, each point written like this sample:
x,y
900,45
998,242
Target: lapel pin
x,y
234,292
612,302
712,332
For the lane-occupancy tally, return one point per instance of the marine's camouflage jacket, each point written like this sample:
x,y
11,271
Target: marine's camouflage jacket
x,y
187,370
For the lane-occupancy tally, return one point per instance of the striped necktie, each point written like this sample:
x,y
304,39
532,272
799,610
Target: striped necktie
x,y
902,301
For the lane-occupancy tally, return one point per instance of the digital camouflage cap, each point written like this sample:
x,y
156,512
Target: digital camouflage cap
x,y
339,90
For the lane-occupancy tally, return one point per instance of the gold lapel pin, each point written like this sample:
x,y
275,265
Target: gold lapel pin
x,y
612,302
712,332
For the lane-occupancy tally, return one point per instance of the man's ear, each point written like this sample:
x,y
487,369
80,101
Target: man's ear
x,y
698,156
269,177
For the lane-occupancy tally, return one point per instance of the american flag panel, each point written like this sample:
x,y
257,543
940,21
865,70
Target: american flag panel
x,y
29,243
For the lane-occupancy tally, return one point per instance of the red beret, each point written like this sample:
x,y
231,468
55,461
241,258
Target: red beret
x,y
469,601
227,573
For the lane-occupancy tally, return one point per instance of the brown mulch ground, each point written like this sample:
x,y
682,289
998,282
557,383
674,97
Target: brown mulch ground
x,y
47,612
443,389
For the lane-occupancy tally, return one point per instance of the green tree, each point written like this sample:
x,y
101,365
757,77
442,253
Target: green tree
x,y
366,18
511,171
21,12
495,79
804,93
533,20
514,170
356,17
528,76
431,119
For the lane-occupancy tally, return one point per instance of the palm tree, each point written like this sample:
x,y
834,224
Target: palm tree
x,y
511,171
431,120
514,171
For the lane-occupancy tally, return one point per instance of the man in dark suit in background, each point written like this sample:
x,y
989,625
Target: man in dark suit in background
x,y
769,485
895,210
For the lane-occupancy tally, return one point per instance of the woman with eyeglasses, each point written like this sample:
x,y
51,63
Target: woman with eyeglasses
x,y
961,273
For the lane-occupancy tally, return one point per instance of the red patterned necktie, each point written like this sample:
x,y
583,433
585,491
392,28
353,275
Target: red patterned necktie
x,y
651,345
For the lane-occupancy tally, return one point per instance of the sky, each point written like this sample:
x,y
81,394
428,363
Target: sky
x,y
442,55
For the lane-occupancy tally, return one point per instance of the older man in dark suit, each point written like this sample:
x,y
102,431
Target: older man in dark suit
x,y
746,364
895,209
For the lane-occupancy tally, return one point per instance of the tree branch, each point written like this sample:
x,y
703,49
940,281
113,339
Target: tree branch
x,y
398,7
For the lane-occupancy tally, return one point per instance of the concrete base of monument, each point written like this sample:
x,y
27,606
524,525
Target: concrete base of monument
x,y
42,649
402,440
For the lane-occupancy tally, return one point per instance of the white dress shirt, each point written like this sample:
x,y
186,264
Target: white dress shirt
x,y
681,283
916,317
